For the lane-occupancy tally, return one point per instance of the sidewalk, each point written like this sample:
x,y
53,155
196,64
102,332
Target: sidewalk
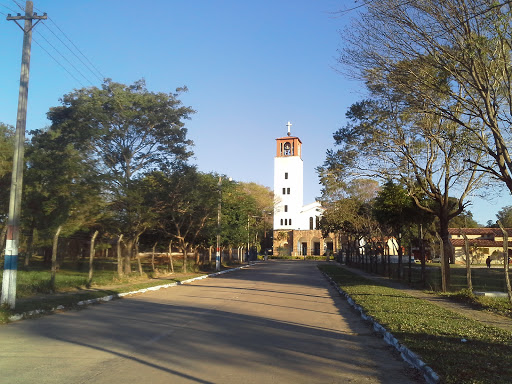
x,y
488,318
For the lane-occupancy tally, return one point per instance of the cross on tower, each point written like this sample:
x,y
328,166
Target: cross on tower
x,y
289,125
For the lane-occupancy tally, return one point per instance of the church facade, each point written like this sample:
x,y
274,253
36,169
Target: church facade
x,y
296,226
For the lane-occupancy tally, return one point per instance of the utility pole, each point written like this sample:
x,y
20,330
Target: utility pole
x,y
13,222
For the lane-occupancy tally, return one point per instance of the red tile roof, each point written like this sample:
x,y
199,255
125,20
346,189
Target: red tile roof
x,y
477,242
479,231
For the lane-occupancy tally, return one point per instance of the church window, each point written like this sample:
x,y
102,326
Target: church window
x,y
290,221
286,175
281,221
285,221
310,223
317,222
286,208
284,191
287,149
287,191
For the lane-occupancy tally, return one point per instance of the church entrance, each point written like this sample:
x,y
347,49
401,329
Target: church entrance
x,y
329,249
304,249
316,248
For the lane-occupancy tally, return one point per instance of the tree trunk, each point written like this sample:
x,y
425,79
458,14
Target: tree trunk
x,y
400,254
127,257
423,261
54,258
197,256
153,257
410,265
210,255
444,261
505,261
468,263
137,255
30,248
184,250
170,257
447,254
119,257
91,258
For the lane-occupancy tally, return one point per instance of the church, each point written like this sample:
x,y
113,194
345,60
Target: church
x,y
296,226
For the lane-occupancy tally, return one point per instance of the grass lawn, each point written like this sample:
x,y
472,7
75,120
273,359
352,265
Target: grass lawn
x,y
484,280
33,289
459,349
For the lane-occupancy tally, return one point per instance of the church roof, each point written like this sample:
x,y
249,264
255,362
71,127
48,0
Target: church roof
x,y
288,138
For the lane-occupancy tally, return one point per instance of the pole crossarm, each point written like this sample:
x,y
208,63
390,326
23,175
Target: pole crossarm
x,y
27,16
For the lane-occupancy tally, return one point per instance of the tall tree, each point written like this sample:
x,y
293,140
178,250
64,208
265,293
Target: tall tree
x,y
128,131
386,139
348,208
451,59
185,204
62,189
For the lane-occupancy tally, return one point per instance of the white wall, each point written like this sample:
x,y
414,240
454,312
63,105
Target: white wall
x,y
292,165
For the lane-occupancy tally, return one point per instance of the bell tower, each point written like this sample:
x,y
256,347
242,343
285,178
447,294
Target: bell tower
x,y
288,182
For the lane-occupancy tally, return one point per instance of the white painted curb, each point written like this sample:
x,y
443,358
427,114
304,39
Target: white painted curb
x,y
407,355
25,315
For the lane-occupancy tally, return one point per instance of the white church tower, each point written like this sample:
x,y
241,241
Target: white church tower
x,y
288,182
296,226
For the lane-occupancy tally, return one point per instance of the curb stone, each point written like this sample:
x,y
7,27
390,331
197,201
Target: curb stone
x,y
36,312
407,355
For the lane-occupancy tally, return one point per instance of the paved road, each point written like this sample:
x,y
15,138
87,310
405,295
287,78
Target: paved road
x,y
277,322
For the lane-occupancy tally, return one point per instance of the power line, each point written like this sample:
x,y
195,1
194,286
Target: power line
x,y
49,54
98,72
74,54
65,58
18,4
9,8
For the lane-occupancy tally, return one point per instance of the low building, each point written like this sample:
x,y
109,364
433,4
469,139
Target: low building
x,y
483,242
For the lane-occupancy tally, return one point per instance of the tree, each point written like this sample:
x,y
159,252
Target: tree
x,y
504,215
128,131
259,205
348,209
62,189
386,139
393,207
464,220
185,204
452,59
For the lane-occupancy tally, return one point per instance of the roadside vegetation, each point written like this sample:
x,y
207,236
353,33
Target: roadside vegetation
x,y
459,349
484,280
110,177
34,290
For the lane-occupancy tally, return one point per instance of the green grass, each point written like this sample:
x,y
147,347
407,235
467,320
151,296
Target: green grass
x,y
434,333
34,291
499,305
483,279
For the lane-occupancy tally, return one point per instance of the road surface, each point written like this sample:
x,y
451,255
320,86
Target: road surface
x,y
276,322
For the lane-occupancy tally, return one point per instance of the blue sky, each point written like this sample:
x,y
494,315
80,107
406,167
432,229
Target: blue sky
x,y
250,67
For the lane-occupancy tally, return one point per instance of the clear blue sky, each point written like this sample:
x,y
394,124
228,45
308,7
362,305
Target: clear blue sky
x,y
250,66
